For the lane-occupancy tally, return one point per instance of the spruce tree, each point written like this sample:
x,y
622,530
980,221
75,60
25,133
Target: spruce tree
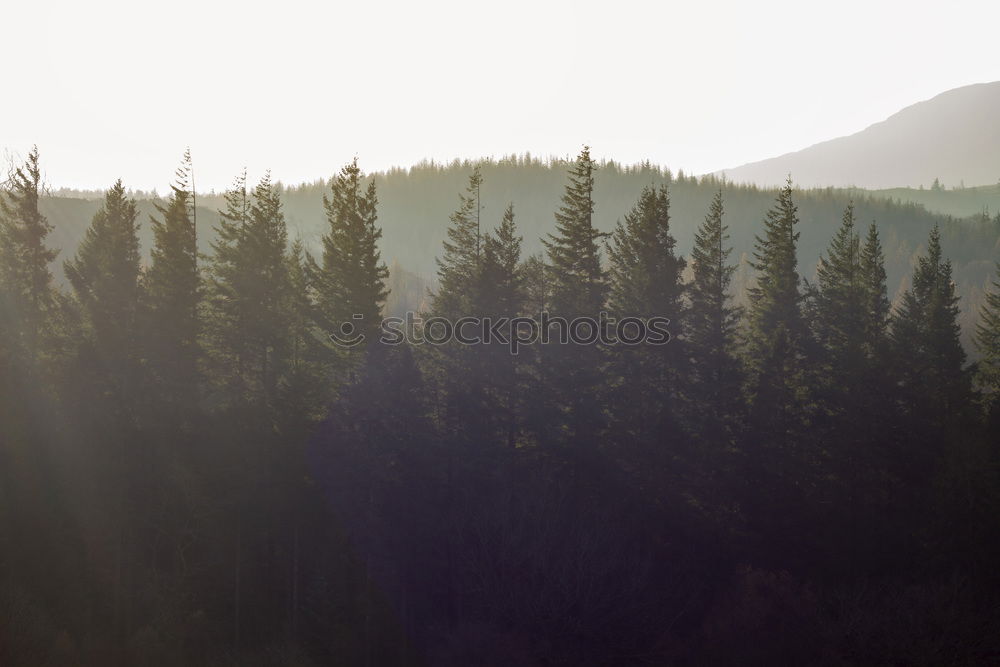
x,y
777,337
777,459
249,294
711,329
351,287
574,373
877,306
105,276
25,278
225,295
500,293
940,464
926,344
841,304
173,291
302,391
848,308
502,283
459,371
459,267
987,341
266,288
578,282
645,282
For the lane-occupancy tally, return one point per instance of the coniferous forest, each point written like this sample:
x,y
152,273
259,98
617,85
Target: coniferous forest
x,y
195,469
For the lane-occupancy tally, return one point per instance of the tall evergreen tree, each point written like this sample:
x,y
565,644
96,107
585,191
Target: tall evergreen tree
x,y
841,304
25,277
877,307
457,370
645,282
777,336
105,276
226,295
925,337
941,466
267,288
249,293
776,458
578,282
351,287
711,329
848,308
173,290
302,391
988,339
501,294
577,288
460,266
502,285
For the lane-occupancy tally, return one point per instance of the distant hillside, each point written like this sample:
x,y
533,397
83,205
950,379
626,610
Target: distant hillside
x,y
414,206
957,202
954,137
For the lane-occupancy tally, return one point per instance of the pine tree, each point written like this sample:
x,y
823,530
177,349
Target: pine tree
x,y
460,266
877,306
249,294
711,329
645,282
987,341
848,308
226,321
266,288
940,464
777,459
777,336
925,338
105,276
302,391
173,289
578,283
574,374
841,302
458,371
351,287
500,293
25,278
502,283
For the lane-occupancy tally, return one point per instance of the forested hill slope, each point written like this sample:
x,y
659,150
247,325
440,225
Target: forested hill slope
x,y
414,205
953,137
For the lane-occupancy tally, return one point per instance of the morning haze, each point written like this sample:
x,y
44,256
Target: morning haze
x,y
316,392
300,87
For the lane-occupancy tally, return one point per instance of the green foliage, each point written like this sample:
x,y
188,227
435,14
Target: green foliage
x,y
572,504
925,338
105,276
27,292
777,338
645,282
460,264
577,288
173,291
351,286
578,283
988,340
712,327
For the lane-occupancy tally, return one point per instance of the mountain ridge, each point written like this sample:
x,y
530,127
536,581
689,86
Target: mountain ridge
x,y
953,138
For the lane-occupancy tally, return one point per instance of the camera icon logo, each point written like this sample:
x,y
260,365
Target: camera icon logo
x,y
349,335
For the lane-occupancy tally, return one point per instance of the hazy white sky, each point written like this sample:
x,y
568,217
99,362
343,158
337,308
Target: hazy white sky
x,y
118,89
